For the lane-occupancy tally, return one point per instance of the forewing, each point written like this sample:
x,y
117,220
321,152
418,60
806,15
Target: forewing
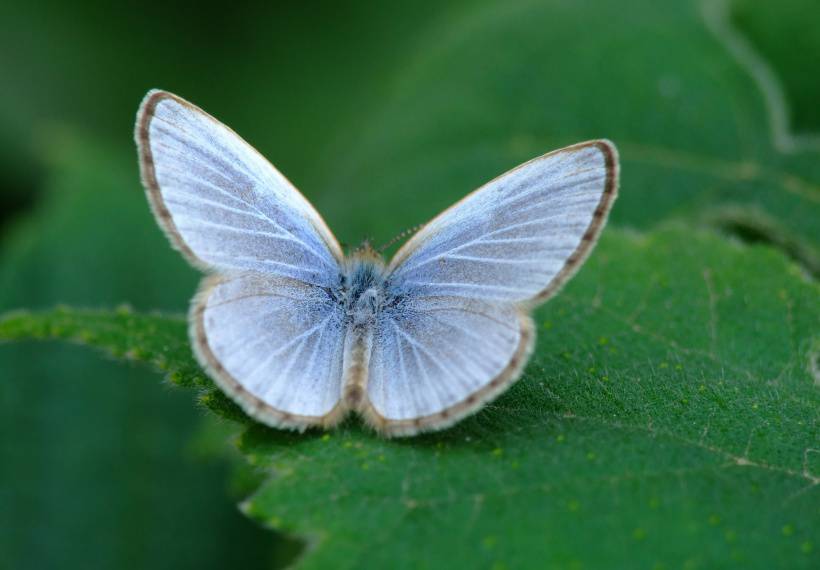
x,y
519,237
437,359
221,203
274,345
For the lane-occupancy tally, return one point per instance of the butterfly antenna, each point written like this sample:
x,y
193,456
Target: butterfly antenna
x,y
366,245
402,235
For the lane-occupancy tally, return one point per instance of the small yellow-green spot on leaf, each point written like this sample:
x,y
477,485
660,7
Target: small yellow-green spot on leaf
x,y
489,542
347,444
573,506
497,452
730,535
663,365
755,406
515,464
326,437
678,366
560,438
639,533
591,455
603,341
498,565
365,466
591,370
806,547
547,325
123,310
654,503
714,520
566,355
787,530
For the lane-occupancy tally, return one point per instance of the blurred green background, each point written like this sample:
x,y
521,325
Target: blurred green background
x,y
382,113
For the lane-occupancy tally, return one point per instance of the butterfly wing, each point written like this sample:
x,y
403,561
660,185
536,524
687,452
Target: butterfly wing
x,y
519,237
221,203
264,325
460,334
436,359
274,344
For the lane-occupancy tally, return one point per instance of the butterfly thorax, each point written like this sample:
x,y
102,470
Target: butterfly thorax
x,y
363,290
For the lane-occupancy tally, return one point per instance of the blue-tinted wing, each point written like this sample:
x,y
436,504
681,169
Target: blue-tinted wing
x,y
519,237
221,203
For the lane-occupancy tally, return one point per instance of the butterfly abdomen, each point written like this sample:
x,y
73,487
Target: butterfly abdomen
x,y
358,345
363,295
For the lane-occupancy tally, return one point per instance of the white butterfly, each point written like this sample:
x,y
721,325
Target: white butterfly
x,y
299,335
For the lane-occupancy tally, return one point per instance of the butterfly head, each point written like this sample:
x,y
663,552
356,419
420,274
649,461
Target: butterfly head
x,y
364,289
366,252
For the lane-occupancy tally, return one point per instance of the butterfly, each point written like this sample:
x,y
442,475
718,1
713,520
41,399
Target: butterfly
x,y
300,334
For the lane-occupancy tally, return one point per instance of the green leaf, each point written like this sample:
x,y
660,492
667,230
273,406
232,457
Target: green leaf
x,y
498,83
156,339
90,448
785,35
668,418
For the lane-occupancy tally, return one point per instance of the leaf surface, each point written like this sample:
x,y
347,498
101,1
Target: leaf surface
x,y
668,418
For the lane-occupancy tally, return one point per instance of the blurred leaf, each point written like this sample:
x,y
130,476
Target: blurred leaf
x,y
401,108
156,338
785,33
308,70
96,468
668,418
498,83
